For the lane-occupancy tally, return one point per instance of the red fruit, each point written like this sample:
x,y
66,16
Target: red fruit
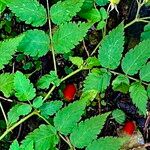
x,y
129,128
69,92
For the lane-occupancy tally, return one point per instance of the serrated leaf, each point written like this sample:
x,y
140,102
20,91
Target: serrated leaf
x,y
6,84
16,111
50,108
44,138
68,36
139,96
66,118
45,81
121,83
14,145
30,11
97,80
88,130
136,58
119,116
62,12
35,43
91,15
38,102
146,33
77,61
87,5
101,2
111,143
110,51
92,62
7,49
2,7
145,72
28,146
24,89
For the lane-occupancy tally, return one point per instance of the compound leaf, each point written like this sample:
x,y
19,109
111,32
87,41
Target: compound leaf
x,y
69,35
66,118
43,138
62,12
35,43
97,80
119,115
30,11
7,49
111,143
6,84
121,83
139,96
145,72
110,51
50,108
87,131
24,89
16,111
136,58
45,81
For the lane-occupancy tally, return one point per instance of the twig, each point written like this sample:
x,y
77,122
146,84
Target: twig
x,y
4,114
5,99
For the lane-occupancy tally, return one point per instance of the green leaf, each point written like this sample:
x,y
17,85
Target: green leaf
x,y
107,143
30,11
104,13
101,2
119,116
2,7
97,80
92,62
136,58
50,108
101,25
62,12
45,81
110,51
121,84
77,61
146,33
44,138
145,72
16,111
14,145
139,96
87,5
6,84
68,36
38,102
87,131
24,89
7,49
28,146
66,118
35,43
91,15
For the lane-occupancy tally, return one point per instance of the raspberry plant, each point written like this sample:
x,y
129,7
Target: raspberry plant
x,y
61,121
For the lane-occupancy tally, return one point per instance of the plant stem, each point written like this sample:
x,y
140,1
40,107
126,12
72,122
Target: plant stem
x,y
16,124
3,112
50,35
117,73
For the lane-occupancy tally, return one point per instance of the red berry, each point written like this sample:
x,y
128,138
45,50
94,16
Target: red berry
x,y
69,92
129,127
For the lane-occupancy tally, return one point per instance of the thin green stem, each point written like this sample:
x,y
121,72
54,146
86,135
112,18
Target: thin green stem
x,y
16,124
50,35
134,79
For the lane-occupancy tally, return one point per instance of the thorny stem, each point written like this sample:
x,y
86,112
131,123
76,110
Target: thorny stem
x,y
50,35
